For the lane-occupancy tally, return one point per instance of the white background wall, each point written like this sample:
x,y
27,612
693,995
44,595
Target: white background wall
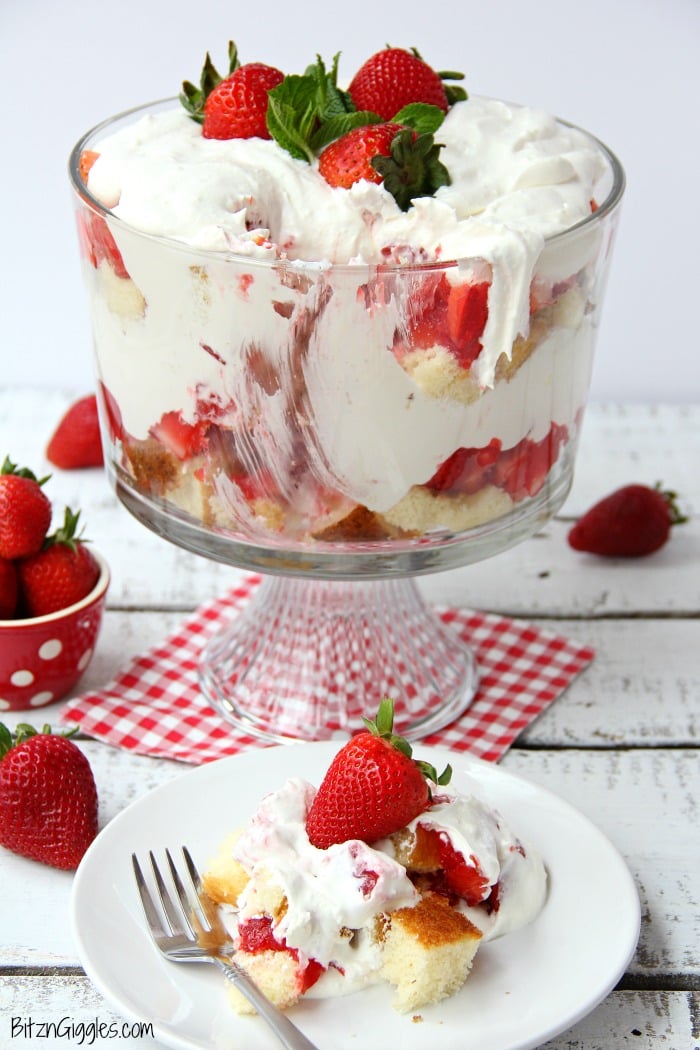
x,y
628,70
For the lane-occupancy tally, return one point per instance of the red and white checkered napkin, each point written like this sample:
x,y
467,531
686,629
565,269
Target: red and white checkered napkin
x,y
155,706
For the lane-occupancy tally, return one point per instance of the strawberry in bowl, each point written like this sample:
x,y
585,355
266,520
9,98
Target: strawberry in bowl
x,y
52,596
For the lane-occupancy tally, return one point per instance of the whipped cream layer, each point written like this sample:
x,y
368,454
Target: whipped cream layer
x,y
477,831
517,176
328,890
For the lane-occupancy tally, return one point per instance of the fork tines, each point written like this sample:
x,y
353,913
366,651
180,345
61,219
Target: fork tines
x,y
169,919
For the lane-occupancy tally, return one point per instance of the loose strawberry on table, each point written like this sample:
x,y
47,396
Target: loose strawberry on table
x,y
25,511
48,797
372,788
631,522
76,441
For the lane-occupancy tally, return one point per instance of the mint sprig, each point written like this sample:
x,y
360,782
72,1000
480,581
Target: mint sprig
x,y
307,111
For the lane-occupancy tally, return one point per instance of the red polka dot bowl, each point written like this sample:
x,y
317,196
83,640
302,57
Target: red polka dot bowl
x,y
43,657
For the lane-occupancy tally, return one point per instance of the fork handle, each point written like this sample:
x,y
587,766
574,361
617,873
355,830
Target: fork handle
x,y
287,1033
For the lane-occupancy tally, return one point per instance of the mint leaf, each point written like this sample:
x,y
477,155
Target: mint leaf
x,y
422,117
306,112
340,125
292,115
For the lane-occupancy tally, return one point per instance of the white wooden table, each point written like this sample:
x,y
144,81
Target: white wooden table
x,y
621,744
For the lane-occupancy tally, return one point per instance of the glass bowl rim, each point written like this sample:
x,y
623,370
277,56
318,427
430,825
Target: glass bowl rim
x,y
605,207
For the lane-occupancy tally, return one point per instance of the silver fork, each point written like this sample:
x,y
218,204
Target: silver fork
x,y
176,936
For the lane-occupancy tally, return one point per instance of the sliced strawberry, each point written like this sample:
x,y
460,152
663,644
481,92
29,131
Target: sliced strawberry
x,y
85,163
464,876
255,935
310,974
467,313
111,412
98,243
467,470
453,316
254,486
522,470
183,439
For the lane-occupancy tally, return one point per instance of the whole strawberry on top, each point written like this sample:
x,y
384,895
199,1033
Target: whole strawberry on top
x,y
48,797
631,522
234,107
25,511
394,78
380,130
373,786
63,572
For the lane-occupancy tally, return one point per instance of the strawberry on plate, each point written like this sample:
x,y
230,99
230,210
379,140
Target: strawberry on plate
x,y
25,511
394,78
373,786
48,797
76,442
61,574
631,522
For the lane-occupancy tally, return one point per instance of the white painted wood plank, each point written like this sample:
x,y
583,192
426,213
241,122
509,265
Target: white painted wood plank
x,y
644,801
60,1012
645,443
643,1020
640,1020
642,688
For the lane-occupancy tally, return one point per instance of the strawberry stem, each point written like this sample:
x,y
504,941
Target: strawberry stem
x,y
677,518
383,727
67,533
9,467
23,731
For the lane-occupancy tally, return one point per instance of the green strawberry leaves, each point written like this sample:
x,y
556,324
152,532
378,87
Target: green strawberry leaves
x,y
23,731
383,726
413,169
193,98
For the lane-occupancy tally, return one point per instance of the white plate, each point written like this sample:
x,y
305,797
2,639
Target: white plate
x,y
523,990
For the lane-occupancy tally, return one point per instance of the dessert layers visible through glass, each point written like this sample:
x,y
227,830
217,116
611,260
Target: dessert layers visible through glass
x,y
312,382
391,417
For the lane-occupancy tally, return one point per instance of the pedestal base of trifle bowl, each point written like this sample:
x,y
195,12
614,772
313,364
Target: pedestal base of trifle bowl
x,y
308,659
329,632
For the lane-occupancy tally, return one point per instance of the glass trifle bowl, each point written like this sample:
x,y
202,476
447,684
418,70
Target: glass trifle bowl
x,y
338,418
